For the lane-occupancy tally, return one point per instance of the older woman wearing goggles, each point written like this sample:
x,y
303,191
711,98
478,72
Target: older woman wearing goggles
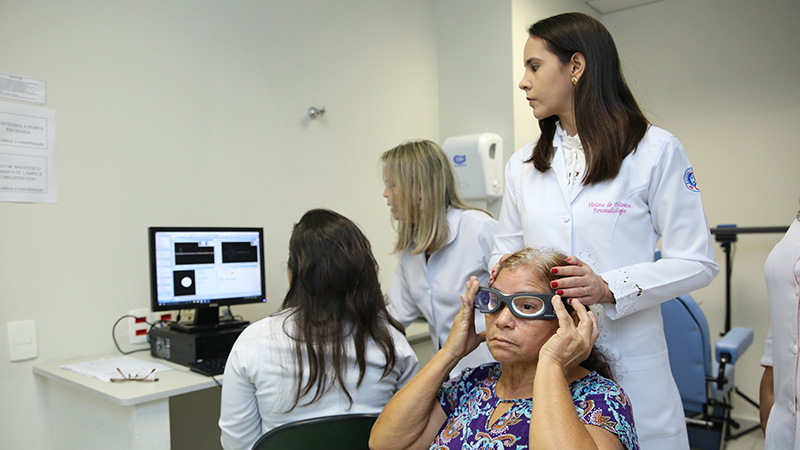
x,y
544,353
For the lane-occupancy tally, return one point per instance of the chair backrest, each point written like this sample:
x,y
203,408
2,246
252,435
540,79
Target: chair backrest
x,y
343,432
689,345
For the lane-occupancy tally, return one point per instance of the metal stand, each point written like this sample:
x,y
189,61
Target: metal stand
x,y
726,235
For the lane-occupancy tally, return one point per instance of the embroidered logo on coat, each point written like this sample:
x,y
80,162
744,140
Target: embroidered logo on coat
x,y
690,181
460,160
609,207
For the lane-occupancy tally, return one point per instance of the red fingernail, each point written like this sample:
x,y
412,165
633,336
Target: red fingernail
x,y
554,284
492,272
568,259
553,270
490,280
569,301
560,292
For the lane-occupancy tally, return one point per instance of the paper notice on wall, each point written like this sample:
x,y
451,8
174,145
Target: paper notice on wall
x,y
23,89
27,154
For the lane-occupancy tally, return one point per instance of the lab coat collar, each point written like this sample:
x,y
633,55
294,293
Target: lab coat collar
x,y
453,221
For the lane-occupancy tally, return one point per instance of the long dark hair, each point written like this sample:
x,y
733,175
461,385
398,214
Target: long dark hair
x,y
335,298
539,261
607,117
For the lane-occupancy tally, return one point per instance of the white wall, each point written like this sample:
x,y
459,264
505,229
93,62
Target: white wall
x,y
194,113
722,76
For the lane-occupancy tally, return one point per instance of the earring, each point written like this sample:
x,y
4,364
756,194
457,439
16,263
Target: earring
x,y
575,81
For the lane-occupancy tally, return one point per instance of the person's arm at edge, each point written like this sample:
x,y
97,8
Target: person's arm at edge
x,y
767,387
554,422
766,397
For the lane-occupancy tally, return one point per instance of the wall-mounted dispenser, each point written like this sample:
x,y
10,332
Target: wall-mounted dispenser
x,y
477,160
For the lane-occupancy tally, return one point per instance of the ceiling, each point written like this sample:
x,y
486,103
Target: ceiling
x,y
612,6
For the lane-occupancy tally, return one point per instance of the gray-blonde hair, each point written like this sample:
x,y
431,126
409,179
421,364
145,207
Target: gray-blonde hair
x,y
538,261
426,187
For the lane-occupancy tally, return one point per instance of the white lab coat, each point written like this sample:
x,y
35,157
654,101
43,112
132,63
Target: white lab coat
x,y
432,289
782,273
614,226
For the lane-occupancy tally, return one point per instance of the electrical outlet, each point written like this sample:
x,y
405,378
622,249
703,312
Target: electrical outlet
x,y
138,326
166,316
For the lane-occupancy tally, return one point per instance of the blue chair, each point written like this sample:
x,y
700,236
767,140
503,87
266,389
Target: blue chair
x,y
705,384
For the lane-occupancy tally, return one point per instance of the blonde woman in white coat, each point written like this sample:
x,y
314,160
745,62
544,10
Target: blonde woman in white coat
x,y
442,242
603,185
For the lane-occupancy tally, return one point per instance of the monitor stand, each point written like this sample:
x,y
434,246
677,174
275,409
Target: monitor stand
x,y
207,319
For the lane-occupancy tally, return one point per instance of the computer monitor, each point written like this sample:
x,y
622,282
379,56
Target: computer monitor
x,y
204,268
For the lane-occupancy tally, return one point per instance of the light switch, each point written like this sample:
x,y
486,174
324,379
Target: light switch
x,y
22,343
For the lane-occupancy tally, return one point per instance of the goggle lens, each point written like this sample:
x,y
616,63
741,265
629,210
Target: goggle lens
x,y
528,306
486,301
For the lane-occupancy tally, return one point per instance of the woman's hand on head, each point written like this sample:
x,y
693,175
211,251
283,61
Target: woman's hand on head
x,y
496,267
573,340
462,338
578,281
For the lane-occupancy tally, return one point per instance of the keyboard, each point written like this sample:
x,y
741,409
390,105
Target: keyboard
x,y
209,366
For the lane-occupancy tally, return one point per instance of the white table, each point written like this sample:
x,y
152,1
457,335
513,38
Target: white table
x,y
90,414
130,415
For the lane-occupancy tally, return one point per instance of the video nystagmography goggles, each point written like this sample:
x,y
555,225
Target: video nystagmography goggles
x,y
522,305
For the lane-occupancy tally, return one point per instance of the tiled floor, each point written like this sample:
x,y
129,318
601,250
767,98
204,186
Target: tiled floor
x,y
750,441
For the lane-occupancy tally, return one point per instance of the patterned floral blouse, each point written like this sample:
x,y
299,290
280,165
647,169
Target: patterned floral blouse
x,y
470,399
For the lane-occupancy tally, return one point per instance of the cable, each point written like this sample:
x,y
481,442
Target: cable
x,y
216,381
114,335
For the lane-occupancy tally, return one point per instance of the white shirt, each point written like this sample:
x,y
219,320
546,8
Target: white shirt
x,y
260,382
432,289
614,226
782,274
574,157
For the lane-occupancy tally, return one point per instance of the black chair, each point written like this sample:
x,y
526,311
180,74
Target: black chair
x,y
343,432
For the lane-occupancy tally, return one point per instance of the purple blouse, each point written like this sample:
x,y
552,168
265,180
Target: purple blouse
x,y
470,399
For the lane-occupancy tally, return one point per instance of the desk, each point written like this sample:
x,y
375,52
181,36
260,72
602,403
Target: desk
x,y
127,415
89,414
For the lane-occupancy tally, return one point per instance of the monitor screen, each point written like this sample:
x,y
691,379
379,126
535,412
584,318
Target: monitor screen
x,y
205,268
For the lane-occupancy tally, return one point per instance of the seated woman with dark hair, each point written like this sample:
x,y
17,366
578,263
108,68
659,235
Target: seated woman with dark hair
x,y
549,389
332,348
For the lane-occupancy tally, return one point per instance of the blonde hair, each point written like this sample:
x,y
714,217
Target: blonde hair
x,y
424,183
538,261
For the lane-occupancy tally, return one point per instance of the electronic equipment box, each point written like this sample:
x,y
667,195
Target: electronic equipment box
x,y
185,348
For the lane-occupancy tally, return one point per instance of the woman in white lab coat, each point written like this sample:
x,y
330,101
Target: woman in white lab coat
x,y
442,241
604,185
780,383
